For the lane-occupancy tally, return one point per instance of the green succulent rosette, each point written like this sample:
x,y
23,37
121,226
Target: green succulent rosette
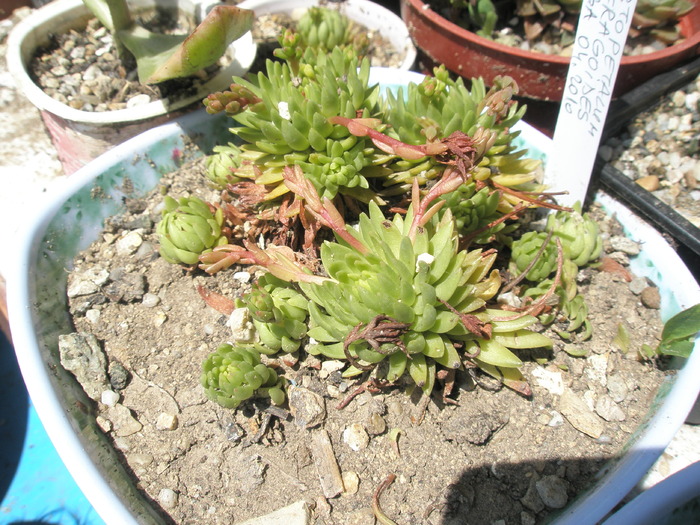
x,y
660,18
474,211
289,123
233,374
440,106
579,234
531,251
223,164
279,314
187,229
425,291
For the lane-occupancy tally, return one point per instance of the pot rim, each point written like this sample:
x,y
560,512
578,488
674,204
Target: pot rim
x,y
23,41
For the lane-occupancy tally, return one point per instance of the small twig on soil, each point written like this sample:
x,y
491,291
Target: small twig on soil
x,y
264,425
152,384
447,377
379,514
422,406
281,413
372,385
296,481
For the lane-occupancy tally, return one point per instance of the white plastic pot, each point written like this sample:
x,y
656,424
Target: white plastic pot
x,y
673,501
69,220
366,13
80,136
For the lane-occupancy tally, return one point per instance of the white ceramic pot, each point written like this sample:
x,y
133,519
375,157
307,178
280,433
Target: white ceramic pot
x,y
80,136
69,220
373,16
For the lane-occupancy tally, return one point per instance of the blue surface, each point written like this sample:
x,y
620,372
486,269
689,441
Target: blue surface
x,y
35,486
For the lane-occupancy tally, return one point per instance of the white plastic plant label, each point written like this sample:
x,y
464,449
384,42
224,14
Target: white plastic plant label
x,y
600,39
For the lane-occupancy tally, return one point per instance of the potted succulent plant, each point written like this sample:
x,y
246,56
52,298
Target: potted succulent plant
x,y
460,35
375,18
375,214
79,133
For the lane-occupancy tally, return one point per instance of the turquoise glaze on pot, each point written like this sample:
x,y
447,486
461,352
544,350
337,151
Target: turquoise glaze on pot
x,y
70,220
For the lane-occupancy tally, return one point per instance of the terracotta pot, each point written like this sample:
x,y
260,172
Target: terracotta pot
x,y
539,76
8,6
80,136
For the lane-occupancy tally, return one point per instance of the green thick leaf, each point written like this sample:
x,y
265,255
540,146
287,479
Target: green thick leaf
x,y
113,14
682,325
163,57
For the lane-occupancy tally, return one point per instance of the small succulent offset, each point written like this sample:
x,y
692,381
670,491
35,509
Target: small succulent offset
x,y
279,314
162,57
233,374
570,241
325,29
188,229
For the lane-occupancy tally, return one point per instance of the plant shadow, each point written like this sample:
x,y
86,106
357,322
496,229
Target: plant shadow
x,y
14,406
526,492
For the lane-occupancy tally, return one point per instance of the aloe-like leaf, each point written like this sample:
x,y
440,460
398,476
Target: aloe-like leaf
x,y
163,57
682,325
113,14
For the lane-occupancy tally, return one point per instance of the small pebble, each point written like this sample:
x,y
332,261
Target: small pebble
x,y
637,285
649,182
651,298
150,300
93,315
375,424
129,243
167,498
166,421
552,490
242,277
606,408
307,407
139,459
625,245
241,325
109,398
138,100
351,482
355,436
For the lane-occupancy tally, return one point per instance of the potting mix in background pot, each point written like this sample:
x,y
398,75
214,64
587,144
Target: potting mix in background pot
x,y
650,159
39,312
539,75
82,134
399,50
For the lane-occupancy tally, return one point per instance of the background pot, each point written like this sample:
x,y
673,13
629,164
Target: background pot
x,y
661,215
80,136
69,220
369,14
539,76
